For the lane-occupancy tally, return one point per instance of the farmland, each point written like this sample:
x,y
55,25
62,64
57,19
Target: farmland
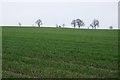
x,y
59,53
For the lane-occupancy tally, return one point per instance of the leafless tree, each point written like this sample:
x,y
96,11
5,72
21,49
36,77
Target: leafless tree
x,y
56,25
79,22
73,23
19,24
95,23
59,26
111,27
63,25
39,22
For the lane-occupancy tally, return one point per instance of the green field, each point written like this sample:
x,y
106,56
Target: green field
x,y
59,53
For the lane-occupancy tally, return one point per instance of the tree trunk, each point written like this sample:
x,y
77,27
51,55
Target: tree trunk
x,y
74,25
38,25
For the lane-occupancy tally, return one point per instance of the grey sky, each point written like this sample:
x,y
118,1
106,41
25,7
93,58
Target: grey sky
x,y
53,13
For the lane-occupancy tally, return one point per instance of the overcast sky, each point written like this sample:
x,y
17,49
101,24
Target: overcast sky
x,y
52,13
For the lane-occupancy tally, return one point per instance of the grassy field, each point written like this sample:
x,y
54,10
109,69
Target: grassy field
x,y
59,53
0,52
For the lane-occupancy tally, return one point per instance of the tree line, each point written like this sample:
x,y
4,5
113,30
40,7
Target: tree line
x,y
77,22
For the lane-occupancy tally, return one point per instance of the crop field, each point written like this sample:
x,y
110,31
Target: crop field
x,y
59,53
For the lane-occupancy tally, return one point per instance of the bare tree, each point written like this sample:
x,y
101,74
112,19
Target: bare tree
x,y
79,22
73,23
95,23
92,26
39,22
111,27
59,26
63,25
56,25
19,24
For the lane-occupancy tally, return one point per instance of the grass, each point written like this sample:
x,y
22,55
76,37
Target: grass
x,y
59,53
0,52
